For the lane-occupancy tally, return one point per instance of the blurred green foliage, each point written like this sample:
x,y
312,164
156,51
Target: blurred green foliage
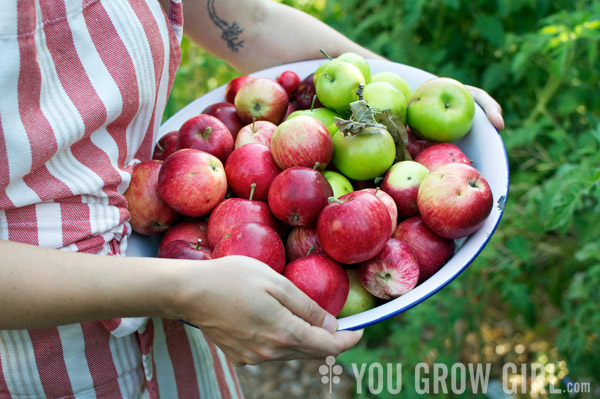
x,y
533,295
199,72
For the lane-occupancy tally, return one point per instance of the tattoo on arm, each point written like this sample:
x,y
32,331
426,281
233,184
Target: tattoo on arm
x,y
230,33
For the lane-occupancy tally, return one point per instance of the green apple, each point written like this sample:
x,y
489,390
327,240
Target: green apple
x,y
395,80
325,115
338,85
364,156
382,95
359,299
359,61
338,182
441,109
353,58
319,71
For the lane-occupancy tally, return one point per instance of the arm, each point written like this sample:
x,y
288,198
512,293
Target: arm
x,y
254,316
255,34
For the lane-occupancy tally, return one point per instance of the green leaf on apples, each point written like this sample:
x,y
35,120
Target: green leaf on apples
x,y
364,116
398,131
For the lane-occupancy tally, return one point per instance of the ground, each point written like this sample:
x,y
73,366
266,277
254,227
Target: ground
x,y
295,379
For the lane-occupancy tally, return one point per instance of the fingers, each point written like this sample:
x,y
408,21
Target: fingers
x,y
295,340
315,342
275,320
303,306
492,109
312,330
305,330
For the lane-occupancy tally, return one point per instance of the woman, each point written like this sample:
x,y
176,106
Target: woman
x,y
84,84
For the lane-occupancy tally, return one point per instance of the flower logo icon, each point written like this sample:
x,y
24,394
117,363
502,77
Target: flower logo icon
x,y
330,372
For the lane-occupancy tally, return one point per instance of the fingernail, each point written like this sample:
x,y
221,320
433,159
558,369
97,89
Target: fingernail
x,y
499,121
329,323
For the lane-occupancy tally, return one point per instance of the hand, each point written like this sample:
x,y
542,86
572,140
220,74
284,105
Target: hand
x,y
255,314
492,109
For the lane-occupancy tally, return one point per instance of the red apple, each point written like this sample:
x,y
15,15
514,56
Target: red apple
x,y
306,94
150,214
190,230
255,240
430,250
233,211
165,146
290,82
181,249
302,141
297,195
251,166
256,132
261,99
393,272
192,182
321,278
440,154
302,241
362,184
402,182
207,133
234,86
387,200
416,144
226,113
290,110
355,229
454,200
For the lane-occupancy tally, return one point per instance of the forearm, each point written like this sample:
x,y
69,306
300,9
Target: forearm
x,y
253,313
41,287
271,33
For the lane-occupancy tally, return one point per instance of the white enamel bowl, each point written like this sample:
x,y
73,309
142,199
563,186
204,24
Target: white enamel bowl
x,y
483,145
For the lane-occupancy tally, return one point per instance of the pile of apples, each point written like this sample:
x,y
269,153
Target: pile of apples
x,y
346,182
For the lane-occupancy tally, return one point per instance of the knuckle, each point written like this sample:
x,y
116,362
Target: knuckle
x,y
265,354
283,339
315,313
250,359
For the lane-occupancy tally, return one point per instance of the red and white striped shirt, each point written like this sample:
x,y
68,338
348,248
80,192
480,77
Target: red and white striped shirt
x,y
83,85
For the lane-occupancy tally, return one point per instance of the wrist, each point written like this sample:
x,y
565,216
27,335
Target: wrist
x,y
177,283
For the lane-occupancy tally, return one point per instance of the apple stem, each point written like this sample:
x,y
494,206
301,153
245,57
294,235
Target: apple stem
x,y
314,100
206,132
252,188
376,191
383,276
199,243
317,164
333,199
310,250
160,147
359,92
325,54
327,77
253,125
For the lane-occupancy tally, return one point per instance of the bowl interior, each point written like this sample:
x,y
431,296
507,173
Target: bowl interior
x,y
483,145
